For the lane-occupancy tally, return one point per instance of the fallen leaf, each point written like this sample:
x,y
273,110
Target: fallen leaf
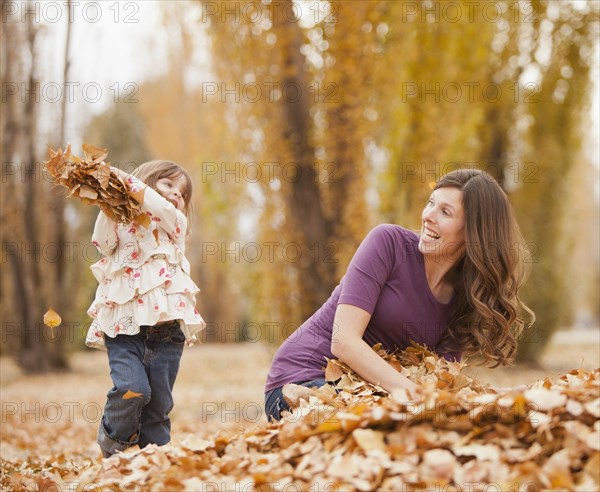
x,y
131,394
544,399
368,439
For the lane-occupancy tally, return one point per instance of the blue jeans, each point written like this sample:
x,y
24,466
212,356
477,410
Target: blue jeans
x,y
275,402
143,368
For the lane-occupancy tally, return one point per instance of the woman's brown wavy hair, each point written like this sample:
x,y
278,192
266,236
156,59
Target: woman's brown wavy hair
x,y
487,317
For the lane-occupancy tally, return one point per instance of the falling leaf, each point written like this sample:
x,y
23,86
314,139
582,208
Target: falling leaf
x,y
52,319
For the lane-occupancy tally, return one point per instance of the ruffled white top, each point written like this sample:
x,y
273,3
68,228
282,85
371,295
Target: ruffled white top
x,y
143,275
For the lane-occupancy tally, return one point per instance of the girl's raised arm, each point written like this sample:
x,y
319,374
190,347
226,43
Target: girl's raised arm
x,y
160,210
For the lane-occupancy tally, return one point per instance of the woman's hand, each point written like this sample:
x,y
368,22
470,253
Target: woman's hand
x,y
415,392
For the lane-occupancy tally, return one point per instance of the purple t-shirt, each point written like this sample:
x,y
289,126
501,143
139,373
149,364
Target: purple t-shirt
x,y
386,278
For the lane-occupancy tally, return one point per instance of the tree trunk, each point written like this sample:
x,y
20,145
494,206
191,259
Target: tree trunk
x,y
304,198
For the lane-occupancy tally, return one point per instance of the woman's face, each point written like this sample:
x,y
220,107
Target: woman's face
x,y
443,225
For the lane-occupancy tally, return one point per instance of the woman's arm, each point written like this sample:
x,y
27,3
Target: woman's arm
x,y
347,344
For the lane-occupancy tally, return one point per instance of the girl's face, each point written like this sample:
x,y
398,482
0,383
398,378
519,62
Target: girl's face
x,y
443,225
173,189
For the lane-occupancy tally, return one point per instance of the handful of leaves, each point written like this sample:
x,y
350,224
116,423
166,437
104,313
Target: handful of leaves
x,y
91,180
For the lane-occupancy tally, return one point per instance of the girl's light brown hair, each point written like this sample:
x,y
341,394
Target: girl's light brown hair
x,y
487,317
150,172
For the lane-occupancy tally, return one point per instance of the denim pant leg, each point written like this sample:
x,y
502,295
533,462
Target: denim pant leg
x,y
120,424
275,402
162,358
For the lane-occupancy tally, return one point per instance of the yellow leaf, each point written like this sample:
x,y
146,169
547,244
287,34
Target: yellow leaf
x,y
142,220
330,425
131,394
52,318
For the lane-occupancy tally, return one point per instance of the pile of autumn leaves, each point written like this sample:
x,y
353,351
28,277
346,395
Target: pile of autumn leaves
x,y
355,436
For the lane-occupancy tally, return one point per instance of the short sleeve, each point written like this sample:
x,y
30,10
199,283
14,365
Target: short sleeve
x,y
369,269
160,210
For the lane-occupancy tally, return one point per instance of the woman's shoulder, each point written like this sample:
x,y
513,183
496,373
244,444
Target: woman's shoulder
x,y
396,240
394,232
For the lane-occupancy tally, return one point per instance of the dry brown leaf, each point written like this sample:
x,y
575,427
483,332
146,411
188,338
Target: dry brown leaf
x,y
333,371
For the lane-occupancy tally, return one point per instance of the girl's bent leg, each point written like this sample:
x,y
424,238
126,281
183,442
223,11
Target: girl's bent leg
x,y
120,424
162,368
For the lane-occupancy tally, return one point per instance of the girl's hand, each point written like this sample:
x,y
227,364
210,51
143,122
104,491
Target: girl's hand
x,y
119,172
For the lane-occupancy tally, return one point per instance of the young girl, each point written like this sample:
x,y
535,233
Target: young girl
x,y
144,307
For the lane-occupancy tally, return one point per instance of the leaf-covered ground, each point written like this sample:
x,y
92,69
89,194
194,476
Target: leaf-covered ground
x,y
221,440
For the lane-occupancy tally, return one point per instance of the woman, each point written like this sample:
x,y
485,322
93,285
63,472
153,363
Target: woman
x,y
453,288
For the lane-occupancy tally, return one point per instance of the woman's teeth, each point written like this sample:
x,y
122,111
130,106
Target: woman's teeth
x,y
430,234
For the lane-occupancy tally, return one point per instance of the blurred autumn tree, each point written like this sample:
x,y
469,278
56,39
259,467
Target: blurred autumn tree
x,y
307,138
560,49
415,91
36,271
184,126
121,130
313,121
